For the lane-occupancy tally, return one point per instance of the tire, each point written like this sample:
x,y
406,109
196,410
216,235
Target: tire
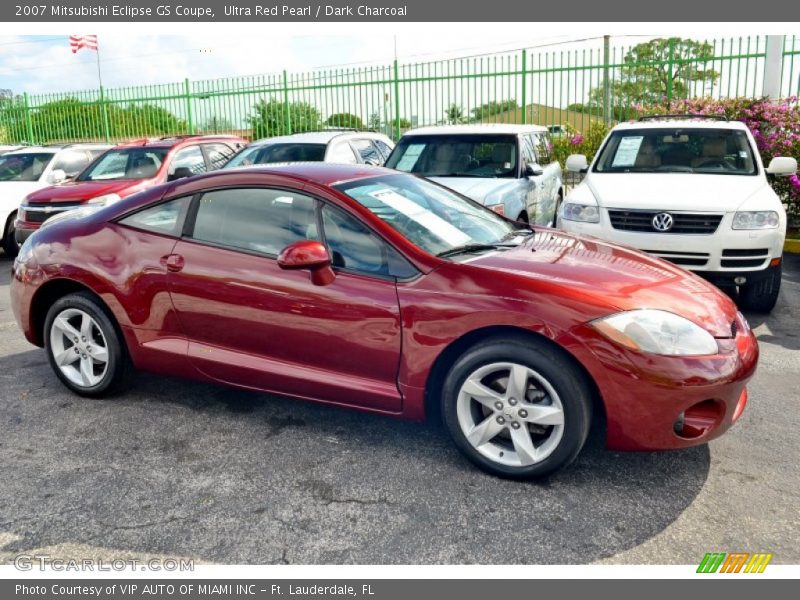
x,y
522,217
84,347
762,295
559,200
10,245
507,436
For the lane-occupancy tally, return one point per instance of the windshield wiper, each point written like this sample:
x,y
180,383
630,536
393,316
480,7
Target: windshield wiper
x,y
460,175
467,248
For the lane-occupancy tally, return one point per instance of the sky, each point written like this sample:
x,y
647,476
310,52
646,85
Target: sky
x,y
44,63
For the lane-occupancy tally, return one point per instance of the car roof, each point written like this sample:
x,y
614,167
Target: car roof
x,y
34,150
170,141
316,172
318,137
685,123
487,128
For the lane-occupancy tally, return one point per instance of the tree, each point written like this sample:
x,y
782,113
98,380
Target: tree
x,y
215,124
492,108
654,72
345,120
270,118
454,114
374,121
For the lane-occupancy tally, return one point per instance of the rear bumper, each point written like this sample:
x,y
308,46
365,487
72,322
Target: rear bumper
x,y
647,396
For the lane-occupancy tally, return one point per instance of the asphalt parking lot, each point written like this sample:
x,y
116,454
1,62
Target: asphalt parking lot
x,y
176,468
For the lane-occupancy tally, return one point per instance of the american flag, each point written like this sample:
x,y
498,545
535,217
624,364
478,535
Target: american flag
x,y
76,42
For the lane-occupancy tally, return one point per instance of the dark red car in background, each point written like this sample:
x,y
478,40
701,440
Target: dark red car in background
x,y
125,170
363,287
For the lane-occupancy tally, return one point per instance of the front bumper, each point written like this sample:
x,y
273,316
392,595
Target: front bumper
x,y
726,251
647,396
23,230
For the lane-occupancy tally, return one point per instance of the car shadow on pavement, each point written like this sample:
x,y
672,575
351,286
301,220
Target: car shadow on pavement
x,y
185,469
780,327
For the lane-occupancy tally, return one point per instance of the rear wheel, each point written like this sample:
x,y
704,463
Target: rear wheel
x,y
517,409
10,245
762,295
84,348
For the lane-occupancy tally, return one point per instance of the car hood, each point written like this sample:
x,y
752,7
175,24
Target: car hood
x,y
476,188
72,191
622,278
15,191
673,191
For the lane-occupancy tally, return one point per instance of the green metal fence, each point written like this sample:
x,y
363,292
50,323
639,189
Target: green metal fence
x,y
563,87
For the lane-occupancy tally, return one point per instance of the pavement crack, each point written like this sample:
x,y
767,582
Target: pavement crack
x,y
137,526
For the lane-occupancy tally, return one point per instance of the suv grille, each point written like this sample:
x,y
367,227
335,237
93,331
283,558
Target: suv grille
x,y
32,215
642,220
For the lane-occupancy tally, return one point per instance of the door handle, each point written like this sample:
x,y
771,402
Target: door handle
x,y
173,262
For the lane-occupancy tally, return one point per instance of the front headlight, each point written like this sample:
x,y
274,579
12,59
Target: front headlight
x,y
755,219
657,332
586,213
104,200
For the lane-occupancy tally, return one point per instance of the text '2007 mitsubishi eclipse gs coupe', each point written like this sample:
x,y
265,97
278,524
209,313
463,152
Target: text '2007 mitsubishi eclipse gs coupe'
x,y
364,287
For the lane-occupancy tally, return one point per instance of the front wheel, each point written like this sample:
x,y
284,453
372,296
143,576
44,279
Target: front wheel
x,y
559,200
10,245
84,348
762,295
517,409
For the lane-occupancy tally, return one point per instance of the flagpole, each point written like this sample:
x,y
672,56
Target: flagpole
x,y
102,94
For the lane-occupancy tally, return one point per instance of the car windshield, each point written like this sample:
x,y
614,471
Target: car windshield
x,y
24,167
125,163
678,150
478,155
276,153
434,218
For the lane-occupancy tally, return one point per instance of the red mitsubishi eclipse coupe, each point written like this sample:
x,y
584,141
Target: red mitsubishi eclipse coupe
x,y
367,288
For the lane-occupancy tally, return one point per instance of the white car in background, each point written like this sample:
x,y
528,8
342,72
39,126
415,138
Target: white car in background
x,y
32,168
692,191
507,168
335,146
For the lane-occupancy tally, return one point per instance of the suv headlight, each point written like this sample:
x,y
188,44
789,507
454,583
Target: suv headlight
x,y
104,200
657,332
586,213
755,219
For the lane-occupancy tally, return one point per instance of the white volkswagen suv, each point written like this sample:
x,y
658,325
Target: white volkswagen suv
x,y
690,190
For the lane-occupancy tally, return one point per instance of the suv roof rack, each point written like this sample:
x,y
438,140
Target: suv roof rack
x,y
684,116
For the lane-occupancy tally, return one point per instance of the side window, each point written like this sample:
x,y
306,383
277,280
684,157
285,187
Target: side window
x,y
354,247
71,162
255,219
543,148
384,148
368,152
190,158
528,153
342,153
166,218
218,155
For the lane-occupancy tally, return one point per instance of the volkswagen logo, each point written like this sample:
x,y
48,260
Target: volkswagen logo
x,y
662,222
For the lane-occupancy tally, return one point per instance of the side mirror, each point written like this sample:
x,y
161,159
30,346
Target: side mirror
x,y
57,176
782,166
577,163
311,255
533,170
181,173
